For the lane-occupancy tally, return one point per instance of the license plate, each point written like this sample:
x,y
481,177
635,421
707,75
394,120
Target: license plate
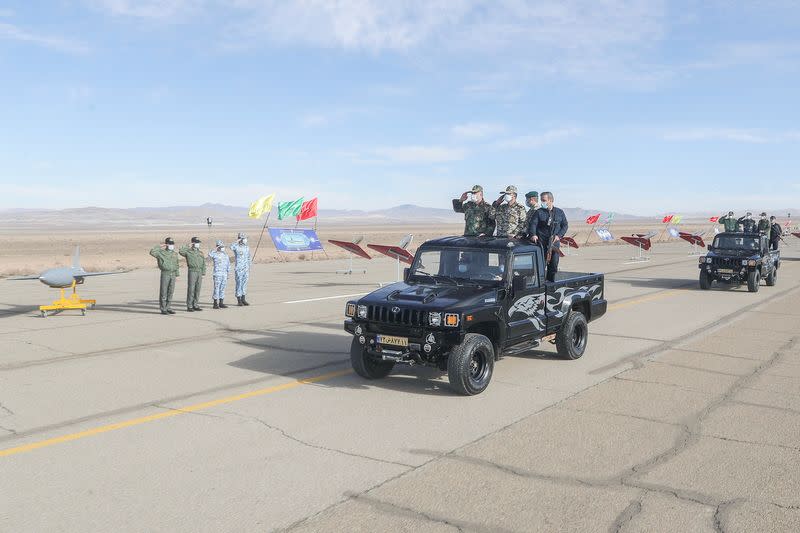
x,y
725,271
394,341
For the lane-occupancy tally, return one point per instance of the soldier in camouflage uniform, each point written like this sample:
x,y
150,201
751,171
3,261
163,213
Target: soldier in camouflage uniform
x,y
730,222
479,217
532,201
222,265
764,226
167,259
241,254
747,223
510,215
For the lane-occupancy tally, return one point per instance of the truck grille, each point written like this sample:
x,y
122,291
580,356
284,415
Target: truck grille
x,y
384,314
726,262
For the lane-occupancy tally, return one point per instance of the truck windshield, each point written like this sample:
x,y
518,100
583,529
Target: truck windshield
x,y
735,242
459,265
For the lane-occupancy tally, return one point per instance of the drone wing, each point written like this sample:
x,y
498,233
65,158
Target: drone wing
x,y
23,278
90,274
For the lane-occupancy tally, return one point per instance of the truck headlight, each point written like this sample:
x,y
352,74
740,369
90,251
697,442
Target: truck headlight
x,y
744,262
362,311
751,263
452,320
435,319
708,260
350,310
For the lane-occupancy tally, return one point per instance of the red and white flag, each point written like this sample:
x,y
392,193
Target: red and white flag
x,y
667,219
308,210
713,219
593,219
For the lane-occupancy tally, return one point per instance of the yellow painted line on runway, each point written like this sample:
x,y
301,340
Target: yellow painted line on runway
x,y
168,414
651,298
325,298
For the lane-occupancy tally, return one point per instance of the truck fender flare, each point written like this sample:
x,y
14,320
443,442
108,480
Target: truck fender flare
x,y
572,299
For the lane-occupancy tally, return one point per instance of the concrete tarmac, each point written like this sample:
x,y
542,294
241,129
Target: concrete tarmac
x,y
683,415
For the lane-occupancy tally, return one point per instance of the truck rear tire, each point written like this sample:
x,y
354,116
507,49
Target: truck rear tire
x,y
705,280
470,365
572,338
367,366
772,278
753,281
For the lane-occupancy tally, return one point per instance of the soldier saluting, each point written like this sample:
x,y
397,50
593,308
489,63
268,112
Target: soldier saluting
x,y
548,226
730,222
167,259
747,223
510,215
479,217
196,262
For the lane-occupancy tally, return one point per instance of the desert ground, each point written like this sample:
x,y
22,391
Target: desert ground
x,y
683,415
28,251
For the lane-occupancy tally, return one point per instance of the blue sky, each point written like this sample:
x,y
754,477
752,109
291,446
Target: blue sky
x,y
637,106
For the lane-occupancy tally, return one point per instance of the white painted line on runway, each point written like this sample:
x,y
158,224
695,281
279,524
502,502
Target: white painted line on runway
x,y
325,298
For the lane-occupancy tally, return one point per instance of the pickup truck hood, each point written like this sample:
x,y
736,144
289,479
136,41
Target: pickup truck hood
x,y
433,297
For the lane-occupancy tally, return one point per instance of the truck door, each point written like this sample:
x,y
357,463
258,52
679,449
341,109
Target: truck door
x,y
526,314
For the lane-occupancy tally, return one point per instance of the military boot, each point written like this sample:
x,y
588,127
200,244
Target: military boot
x,y
239,299
216,304
244,302
222,305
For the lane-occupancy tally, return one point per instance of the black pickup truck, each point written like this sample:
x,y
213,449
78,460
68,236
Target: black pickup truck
x,y
737,258
465,302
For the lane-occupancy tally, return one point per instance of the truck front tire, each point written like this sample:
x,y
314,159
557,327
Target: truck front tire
x,y
367,366
753,280
470,365
705,280
572,338
772,278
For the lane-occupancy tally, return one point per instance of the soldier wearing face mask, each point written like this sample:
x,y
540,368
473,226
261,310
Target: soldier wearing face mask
x,y
167,259
241,253
532,201
222,265
764,225
479,216
511,215
747,223
196,262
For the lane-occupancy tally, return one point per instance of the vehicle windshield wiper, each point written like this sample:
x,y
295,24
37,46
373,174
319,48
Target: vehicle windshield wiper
x,y
423,273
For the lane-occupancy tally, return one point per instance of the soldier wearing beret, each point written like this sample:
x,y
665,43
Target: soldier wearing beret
x,y
510,215
479,216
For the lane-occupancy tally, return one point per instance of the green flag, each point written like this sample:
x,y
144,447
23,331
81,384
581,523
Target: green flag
x,y
289,209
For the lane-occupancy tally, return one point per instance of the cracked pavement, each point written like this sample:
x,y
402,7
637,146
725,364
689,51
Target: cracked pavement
x,y
683,415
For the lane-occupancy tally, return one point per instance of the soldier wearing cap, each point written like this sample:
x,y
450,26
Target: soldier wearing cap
x,y
532,201
510,215
196,262
243,259
747,223
479,216
730,222
167,259
222,265
548,227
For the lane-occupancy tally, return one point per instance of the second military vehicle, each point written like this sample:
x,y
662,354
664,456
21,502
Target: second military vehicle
x,y
738,258
465,302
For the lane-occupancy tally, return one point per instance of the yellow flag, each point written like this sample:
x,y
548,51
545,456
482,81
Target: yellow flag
x,y
261,206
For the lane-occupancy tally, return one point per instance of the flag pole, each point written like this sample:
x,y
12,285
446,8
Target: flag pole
x,y
262,234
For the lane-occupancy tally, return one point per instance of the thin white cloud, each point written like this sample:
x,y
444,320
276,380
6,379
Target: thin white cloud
x,y
477,130
419,154
742,135
16,33
325,118
538,140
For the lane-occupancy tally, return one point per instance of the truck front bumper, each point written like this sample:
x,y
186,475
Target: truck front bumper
x,y
423,344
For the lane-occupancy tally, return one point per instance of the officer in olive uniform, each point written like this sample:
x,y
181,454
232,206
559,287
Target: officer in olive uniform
x,y
548,227
730,222
764,225
167,259
479,217
532,201
196,262
747,223
510,215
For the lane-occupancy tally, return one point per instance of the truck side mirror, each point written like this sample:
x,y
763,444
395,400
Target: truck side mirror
x,y
406,274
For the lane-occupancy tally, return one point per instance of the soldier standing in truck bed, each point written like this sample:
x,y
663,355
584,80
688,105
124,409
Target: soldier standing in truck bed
x,y
479,216
510,215
729,222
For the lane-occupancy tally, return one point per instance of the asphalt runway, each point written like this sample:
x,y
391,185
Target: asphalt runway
x,y
250,419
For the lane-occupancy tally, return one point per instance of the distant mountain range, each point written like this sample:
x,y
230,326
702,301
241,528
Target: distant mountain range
x,y
226,214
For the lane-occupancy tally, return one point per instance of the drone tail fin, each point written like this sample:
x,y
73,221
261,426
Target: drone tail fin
x,y
76,257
